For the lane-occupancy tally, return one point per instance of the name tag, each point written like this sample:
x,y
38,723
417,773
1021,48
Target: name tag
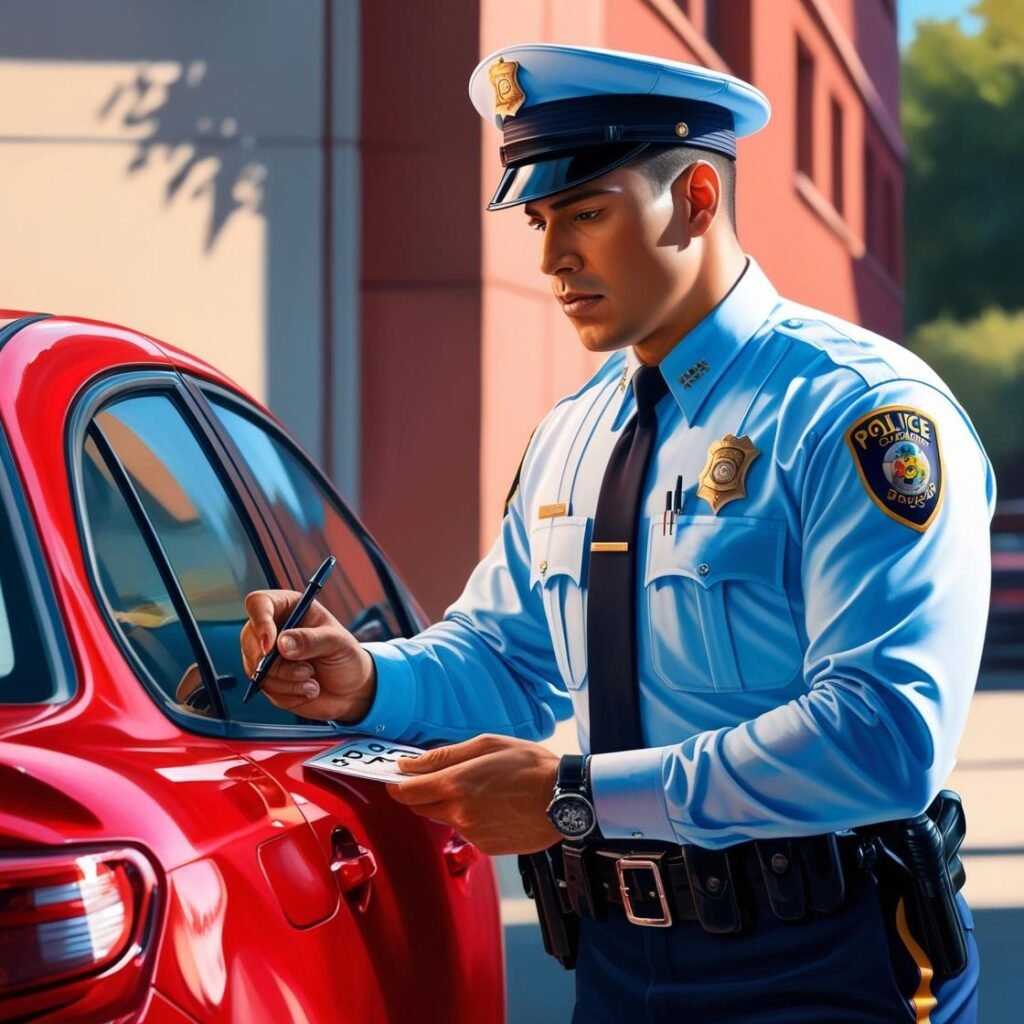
x,y
553,511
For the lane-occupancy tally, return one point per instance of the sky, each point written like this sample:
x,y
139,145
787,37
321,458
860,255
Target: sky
x,y
910,11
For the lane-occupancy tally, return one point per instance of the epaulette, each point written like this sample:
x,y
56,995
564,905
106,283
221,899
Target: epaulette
x,y
840,347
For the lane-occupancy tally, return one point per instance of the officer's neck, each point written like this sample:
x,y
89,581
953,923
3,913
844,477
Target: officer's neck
x,y
723,264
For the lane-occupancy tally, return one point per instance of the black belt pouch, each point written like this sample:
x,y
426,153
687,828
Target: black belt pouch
x,y
559,927
713,886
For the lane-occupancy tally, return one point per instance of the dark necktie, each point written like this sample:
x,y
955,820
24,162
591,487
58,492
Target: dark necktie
x,y
611,601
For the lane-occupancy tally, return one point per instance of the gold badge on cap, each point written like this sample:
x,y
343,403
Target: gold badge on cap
x,y
508,93
721,479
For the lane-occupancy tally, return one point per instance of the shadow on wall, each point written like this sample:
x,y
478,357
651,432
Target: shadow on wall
x,y
168,102
177,148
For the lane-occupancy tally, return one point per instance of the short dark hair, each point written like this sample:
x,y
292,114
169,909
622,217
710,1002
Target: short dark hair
x,y
662,164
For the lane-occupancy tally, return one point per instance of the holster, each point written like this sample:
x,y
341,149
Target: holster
x,y
928,845
543,881
922,864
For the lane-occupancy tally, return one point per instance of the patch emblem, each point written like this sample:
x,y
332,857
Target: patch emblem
x,y
896,450
508,93
722,478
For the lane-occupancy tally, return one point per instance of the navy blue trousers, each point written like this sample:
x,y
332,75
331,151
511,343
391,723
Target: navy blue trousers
x,y
860,964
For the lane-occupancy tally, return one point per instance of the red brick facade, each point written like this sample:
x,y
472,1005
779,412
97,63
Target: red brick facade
x,y
463,349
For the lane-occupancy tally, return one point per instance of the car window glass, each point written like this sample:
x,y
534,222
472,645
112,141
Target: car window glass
x,y
6,643
25,673
206,543
138,599
314,528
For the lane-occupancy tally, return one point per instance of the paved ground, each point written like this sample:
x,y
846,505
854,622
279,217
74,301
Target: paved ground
x,y
989,776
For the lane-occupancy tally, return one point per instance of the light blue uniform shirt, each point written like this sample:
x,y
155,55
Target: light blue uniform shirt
x,y
806,660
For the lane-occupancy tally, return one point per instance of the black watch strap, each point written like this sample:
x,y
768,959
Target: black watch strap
x,y
572,774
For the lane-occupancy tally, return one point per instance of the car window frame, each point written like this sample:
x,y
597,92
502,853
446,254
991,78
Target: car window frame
x,y
39,590
396,593
107,390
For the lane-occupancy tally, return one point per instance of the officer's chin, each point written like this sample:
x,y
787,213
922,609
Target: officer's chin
x,y
602,337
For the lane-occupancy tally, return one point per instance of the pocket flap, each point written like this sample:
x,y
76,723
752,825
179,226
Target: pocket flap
x,y
708,550
558,548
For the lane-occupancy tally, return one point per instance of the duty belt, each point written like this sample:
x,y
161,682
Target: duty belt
x,y
659,884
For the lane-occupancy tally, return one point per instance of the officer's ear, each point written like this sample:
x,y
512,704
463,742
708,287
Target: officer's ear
x,y
697,192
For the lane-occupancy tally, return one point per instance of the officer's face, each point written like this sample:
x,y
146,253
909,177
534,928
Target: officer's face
x,y
619,254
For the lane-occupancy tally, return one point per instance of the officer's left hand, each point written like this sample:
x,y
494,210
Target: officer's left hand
x,y
493,790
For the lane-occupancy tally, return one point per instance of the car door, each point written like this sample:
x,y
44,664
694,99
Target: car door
x,y
426,900
255,926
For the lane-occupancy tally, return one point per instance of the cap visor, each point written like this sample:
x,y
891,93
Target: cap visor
x,y
546,177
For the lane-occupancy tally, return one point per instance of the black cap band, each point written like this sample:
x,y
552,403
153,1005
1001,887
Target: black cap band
x,y
566,126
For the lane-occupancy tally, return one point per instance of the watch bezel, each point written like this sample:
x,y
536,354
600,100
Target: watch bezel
x,y
576,798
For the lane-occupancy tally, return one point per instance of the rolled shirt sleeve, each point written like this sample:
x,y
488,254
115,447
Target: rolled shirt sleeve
x,y
895,619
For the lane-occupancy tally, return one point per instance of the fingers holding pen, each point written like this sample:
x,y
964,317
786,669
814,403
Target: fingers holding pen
x,y
265,608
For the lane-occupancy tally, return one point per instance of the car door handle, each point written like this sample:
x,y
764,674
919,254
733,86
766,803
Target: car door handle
x,y
353,865
459,853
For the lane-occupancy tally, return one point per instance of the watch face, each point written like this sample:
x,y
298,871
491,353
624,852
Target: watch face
x,y
572,815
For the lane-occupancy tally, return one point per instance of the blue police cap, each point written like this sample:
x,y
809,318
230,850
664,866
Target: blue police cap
x,y
571,113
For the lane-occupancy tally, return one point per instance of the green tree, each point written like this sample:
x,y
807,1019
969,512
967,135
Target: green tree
x,y
983,361
963,120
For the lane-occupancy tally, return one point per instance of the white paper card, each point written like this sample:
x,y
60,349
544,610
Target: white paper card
x,y
368,757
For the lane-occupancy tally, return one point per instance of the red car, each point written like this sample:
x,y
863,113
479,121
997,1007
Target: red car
x,y
164,854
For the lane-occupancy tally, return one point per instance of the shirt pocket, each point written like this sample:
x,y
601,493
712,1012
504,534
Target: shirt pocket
x,y
558,555
719,618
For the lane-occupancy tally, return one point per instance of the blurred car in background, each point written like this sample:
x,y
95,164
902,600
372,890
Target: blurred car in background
x,y
1004,641
165,858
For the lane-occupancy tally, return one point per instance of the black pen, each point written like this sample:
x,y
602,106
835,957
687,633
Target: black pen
x,y
316,581
666,516
678,506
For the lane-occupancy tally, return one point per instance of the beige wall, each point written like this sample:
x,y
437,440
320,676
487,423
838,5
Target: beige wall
x,y
162,165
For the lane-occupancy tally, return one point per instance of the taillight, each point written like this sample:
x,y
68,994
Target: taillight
x,y
69,919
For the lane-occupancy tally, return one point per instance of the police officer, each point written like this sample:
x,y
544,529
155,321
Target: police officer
x,y
750,555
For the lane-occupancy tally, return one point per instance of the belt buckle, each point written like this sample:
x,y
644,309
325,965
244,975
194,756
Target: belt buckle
x,y
625,864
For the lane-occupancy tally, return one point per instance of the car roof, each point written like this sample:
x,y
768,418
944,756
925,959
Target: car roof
x,y
41,331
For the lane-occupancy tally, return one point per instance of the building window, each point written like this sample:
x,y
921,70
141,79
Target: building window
x,y
727,29
804,110
837,155
870,201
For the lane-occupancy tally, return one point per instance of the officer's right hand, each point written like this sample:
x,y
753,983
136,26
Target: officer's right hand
x,y
322,672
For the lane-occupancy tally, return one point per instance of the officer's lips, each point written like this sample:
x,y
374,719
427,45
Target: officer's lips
x,y
578,303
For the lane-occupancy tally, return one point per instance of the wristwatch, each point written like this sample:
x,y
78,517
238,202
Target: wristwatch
x,y
571,810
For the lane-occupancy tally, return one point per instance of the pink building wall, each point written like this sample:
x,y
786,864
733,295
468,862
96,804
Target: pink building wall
x,y
464,347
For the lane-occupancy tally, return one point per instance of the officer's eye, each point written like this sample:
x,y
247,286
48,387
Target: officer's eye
x,y
587,214
536,225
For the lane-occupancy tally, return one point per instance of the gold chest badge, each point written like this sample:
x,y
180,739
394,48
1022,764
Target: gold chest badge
x,y
721,479
508,93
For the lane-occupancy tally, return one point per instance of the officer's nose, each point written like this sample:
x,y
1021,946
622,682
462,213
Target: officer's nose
x,y
557,255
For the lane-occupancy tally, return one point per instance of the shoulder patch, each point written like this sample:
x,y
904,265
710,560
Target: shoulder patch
x,y
896,451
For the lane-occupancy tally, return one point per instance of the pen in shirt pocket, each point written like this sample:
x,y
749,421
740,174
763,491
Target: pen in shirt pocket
x,y
673,507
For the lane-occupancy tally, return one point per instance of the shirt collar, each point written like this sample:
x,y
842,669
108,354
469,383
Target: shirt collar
x,y
695,363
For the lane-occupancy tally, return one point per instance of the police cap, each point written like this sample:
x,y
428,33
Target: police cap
x,y
571,113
